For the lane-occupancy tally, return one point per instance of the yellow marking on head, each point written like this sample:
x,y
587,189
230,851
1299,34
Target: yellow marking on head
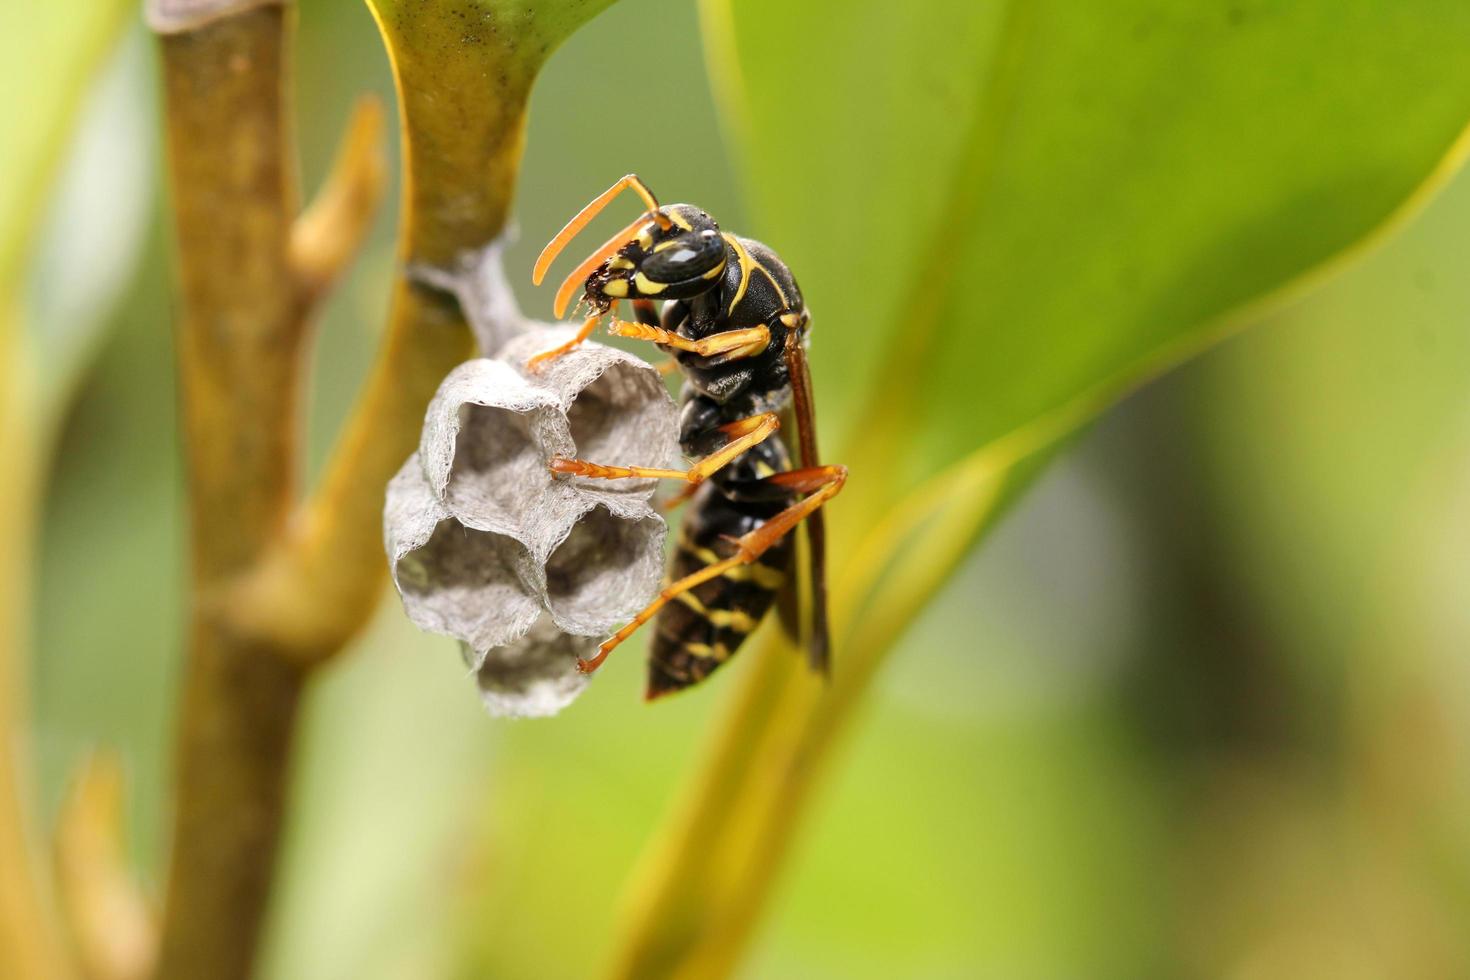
x,y
744,257
616,287
620,262
678,219
645,237
764,469
647,286
670,243
716,271
790,320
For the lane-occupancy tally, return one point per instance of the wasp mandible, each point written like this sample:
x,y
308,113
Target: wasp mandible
x,y
734,320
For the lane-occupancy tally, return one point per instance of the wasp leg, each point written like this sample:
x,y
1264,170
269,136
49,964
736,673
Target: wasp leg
x,y
584,217
746,342
819,483
743,434
534,364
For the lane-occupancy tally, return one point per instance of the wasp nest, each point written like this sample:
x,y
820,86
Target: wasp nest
x,y
529,571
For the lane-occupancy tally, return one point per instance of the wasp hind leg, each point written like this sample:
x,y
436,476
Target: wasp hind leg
x,y
819,483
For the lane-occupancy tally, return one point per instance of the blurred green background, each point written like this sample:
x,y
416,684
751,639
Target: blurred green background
x,y
1200,707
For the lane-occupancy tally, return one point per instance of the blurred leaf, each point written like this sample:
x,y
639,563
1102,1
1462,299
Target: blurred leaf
x,y
1004,218
96,223
1333,452
47,52
1354,401
1003,205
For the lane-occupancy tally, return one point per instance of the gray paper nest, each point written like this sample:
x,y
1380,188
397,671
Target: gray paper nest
x,y
530,571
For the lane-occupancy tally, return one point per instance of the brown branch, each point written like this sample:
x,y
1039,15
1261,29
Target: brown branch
x,y
241,326
328,234
462,110
278,588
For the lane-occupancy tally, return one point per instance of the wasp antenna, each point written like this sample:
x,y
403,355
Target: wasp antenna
x,y
579,275
655,210
581,219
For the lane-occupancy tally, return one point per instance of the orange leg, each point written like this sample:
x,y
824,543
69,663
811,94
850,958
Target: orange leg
x,y
746,342
820,483
743,434
534,364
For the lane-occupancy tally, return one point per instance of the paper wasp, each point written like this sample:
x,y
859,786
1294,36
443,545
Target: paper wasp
x,y
734,320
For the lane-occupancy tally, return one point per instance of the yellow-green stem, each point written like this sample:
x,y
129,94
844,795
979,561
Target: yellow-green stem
x,y
29,939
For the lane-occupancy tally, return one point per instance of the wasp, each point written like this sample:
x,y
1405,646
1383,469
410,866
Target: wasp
x,y
734,321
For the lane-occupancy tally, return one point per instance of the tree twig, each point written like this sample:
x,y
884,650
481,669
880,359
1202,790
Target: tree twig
x,y
241,326
279,586
462,102
111,922
327,235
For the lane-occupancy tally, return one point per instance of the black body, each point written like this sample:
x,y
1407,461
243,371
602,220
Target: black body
x,y
741,285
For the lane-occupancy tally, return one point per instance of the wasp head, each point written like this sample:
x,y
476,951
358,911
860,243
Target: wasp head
x,y
679,261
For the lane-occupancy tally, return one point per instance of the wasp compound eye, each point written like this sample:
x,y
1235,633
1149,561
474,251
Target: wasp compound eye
x,y
684,257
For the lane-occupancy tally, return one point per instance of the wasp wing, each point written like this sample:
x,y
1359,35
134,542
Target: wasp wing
x,y
818,639
788,600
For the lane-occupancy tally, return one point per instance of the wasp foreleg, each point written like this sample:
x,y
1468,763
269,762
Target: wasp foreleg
x,y
534,364
745,342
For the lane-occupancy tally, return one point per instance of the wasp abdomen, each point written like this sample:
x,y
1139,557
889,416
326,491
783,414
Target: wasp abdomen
x,y
701,629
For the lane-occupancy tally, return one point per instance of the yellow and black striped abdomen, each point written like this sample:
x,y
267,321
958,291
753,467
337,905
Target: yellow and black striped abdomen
x,y
702,628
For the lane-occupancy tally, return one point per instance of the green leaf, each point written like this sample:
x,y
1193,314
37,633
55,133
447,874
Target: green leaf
x,y
95,225
1356,401
1004,216
1000,207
